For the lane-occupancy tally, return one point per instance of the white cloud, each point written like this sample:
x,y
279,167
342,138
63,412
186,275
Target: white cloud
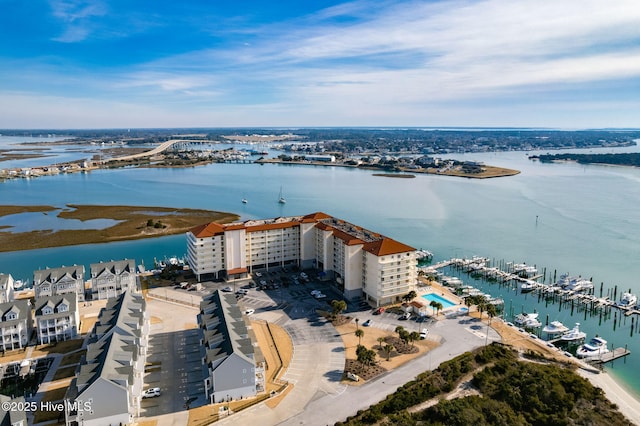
x,y
76,16
372,63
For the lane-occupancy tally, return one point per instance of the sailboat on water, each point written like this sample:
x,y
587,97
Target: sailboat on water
x,y
281,198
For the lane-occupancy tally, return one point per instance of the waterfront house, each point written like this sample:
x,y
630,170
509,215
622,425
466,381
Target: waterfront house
x,y
57,281
6,288
361,263
57,318
16,324
228,354
111,279
111,373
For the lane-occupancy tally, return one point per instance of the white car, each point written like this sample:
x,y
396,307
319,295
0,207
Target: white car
x,y
227,289
319,296
242,291
423,333
314,292
151,393
303,275
258,274
249,311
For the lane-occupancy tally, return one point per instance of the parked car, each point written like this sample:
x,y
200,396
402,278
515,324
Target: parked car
x,y
378,311
151,393
249,311
405,316
303,275
367,323
258,274
319,296
242,291
314,292
227,289
423,333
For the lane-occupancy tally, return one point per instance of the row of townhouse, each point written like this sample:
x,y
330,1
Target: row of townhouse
x,y
363,263
229,362
57,294
56,318
108,386
108,279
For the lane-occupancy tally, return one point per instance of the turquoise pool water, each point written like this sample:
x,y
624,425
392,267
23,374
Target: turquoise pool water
x,y
432,297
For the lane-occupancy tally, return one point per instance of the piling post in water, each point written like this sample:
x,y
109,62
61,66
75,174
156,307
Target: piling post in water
x,y
615,292
601,285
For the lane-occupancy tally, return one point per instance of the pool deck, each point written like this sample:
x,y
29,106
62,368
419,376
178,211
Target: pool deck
x,y
431,287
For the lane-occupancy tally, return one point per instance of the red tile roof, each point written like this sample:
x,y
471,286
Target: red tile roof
x,y
208,230
386,246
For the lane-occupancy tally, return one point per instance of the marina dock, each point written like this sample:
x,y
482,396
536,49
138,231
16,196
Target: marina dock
x,y
610,356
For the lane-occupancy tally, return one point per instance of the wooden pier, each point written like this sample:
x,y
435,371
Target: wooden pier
x,y
610,356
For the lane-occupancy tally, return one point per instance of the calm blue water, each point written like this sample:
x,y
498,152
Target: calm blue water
x,y
567,218
432,297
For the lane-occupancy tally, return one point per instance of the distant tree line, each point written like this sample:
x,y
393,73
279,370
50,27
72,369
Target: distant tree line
x,y
626,159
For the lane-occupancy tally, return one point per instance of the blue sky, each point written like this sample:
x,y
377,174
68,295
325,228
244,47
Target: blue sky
x,y
123,63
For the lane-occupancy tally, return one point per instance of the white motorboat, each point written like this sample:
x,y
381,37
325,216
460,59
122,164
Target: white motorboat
x,y
596,347
281,198
527,286
628,300
575,335
527,320
574,283
555,328
423,254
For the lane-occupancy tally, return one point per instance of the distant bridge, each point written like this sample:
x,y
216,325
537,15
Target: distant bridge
x,y
157,150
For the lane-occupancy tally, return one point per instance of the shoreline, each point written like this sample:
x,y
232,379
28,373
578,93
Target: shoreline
x,y
131,223
615,391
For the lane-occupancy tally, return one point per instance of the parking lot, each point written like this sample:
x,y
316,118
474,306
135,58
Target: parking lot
x,y
174,361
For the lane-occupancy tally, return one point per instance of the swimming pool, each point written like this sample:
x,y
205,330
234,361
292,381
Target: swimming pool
x,y
432,297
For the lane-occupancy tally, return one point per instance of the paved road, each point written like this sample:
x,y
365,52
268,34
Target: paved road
x,y
162,147
318,397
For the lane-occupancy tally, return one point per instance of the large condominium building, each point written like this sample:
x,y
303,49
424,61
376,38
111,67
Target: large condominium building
x,y
111,279
57,281
362,263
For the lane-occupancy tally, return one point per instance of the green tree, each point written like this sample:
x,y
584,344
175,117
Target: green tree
x,y
387,350
413,336
380,341
492,311
337,307
359,334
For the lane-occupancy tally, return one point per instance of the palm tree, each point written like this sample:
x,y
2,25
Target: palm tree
x,y
387,350
380,341
413,336
409,296
337,307
433,305
359,334
492,312
438,308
